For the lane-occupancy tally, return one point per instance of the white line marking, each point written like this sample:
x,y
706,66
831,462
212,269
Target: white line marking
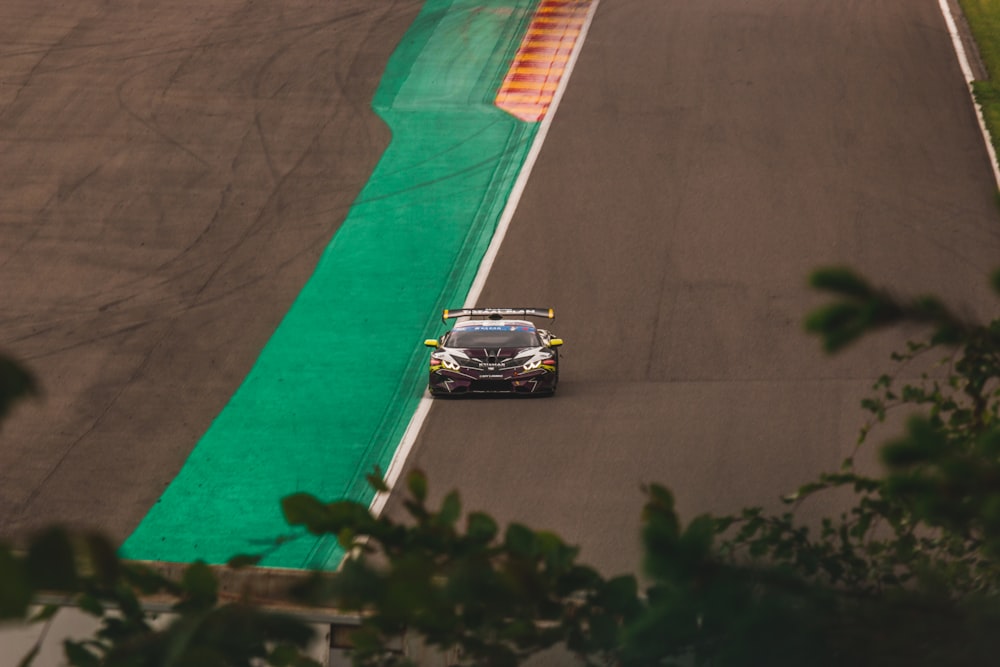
x,y
963,62
529,163
423,408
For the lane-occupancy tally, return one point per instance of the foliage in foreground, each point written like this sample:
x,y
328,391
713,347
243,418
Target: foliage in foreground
x,y
908,574
204,632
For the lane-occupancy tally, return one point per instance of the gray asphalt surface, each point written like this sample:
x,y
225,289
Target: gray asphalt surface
x,y
706,158
170,173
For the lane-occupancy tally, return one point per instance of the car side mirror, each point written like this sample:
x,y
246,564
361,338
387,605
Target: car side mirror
x,y
431,342
555,342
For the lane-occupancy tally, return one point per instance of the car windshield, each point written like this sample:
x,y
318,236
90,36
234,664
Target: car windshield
x,y
486,336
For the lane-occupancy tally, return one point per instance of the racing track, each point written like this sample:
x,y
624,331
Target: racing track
x,y
705,158
171,171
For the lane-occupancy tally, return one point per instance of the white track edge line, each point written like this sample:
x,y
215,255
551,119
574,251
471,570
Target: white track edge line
x,y
963,62
413,429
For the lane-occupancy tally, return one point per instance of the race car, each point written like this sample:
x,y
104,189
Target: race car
x,y
494,352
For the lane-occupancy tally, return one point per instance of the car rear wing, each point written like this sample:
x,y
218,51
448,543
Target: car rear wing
x,y
498,313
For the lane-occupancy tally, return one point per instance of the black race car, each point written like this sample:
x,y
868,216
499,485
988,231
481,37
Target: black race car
x,y
494,353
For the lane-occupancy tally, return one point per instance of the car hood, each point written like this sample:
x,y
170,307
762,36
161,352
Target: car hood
x,y
494,355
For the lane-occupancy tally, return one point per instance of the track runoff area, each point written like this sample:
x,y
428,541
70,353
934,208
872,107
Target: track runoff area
x,y
468,95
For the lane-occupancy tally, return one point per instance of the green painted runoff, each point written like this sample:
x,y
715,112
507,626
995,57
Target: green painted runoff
x,y
333,390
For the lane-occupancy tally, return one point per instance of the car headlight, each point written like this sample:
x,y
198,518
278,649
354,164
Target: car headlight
x,y
447,363
532,365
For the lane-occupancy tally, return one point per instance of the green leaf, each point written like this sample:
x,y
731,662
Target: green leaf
x,y
78,655
345,538
948,333
91,605
286,655
15,590
304,509
697,539
841,280
520,540
995,280
604,629
51,561
16,383
557,555
147,580
376,480
481,528
930,307
416,482
103,558
921,444
805,491
620,595
244,560
838,324
659,510
45,613
874,406
200,587
451,509
347,515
